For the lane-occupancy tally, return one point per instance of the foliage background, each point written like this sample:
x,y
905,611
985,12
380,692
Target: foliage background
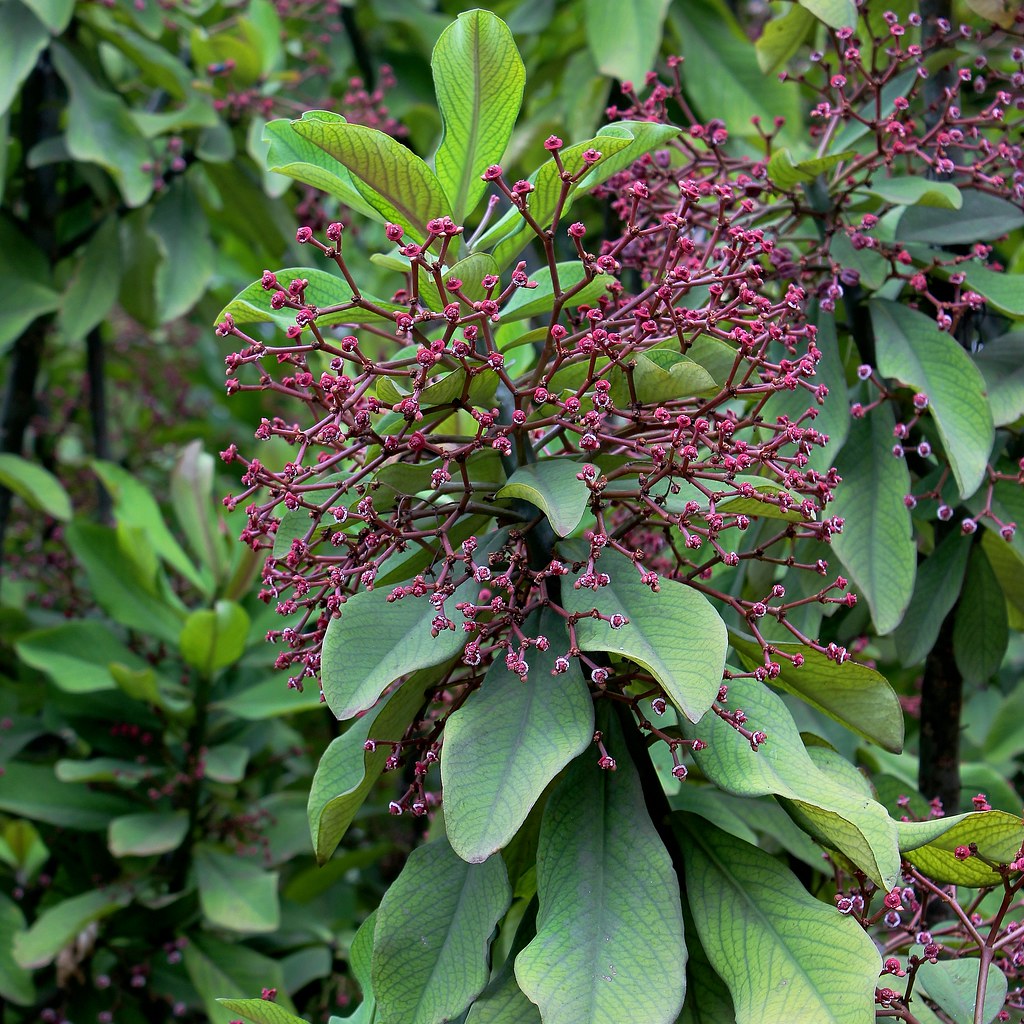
x,y
153,832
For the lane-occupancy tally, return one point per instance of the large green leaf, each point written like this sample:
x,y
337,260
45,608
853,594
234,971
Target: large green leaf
x,y
662,375
374,641
917,191
787,173
1003,292
388,175
508,741
939,579
553,486
93,290
812,964
822,804
433,931
58,925
981,631
236,894
100,130
609,919
24,37
675,634
1002,365
981,217
998,836
913,350
781,38
721,74
252,304
292,155
33,791
854,695
540,301
347,770
36,486
953,986
146,835
479,79
188,259
15,981
641,137
877,543
624,47
503,1001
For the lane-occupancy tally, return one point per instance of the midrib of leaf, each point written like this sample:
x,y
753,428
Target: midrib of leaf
x,y
474,133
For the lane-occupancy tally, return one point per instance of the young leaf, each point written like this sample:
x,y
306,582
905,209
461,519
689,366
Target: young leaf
x,y
787,174
877,543
213,638
36,486
507,742
347,770
812,963
539,301
662,375
479,79
675,634
914,351
780,40
981,630
624,48
823,806
605,928
939,579
450,908
355,665
553,486
998,836
261,1011
235,894
388,175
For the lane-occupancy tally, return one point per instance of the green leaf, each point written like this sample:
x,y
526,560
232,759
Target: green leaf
x,y
871,265
981,631
252,304
980,218
226,762
624,48
187,263
786,174
146,835
212,639
58,925
348,771
939,579
218,968
916,191
24,37
1002,12
641,137
135,506
662,375
834,13
292,155
100,130
914,351
354,667
854,695
261,1011
781,38
77,655
192,499
915,834
822,804
450,908
953,986
38,487
877,543
236,894
812,963
998,836
675,634
553,485
503,1001
508,741
126,586
33,791
360,955
540,301
605,927
15,981
388,175
479,78
709,1002
93,289
1002,366
1003,292
721,73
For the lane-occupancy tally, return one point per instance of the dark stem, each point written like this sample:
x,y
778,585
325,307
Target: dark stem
x,y
196,741
941,703
95,366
